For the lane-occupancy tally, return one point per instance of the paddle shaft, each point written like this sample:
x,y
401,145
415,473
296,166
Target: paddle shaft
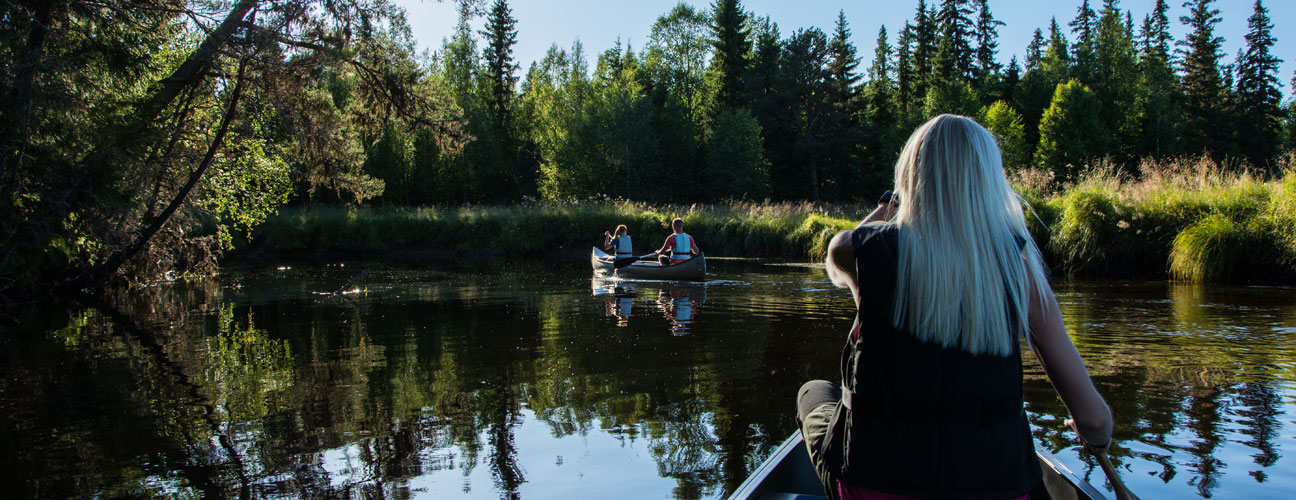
x,y
1118,486
625,261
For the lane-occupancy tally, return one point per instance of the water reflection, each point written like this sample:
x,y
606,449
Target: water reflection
x,y
677,301
489,383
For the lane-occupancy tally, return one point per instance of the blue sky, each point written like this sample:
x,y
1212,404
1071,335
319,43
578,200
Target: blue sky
x,y
598,23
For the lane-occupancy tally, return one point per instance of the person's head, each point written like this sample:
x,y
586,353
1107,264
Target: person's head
x,y
960,264
621,230
949,166
678,225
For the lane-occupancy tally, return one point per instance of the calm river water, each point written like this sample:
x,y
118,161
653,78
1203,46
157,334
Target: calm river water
x,y
539,382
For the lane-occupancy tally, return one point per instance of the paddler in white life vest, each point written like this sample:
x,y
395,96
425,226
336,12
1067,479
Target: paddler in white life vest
x,y
618,244
678,247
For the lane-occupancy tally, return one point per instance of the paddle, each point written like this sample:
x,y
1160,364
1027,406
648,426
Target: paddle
x,y
1118,486
621,262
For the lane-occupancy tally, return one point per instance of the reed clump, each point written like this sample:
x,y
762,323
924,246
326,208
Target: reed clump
x,y
1188,219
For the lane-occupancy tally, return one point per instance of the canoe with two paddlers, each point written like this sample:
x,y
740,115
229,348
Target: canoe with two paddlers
x,y
647,268
787,475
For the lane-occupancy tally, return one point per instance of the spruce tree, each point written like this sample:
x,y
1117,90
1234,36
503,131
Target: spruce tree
x,y
731,42
904,68
880,93
845,131
1085,28
1204,92
954,53
806,85
501,36
924,51
764,89
987,35
1038,85
513,176
844,59
1291,119
1258,94
1117,73
1035,51
1159,94
1056,63
1011,78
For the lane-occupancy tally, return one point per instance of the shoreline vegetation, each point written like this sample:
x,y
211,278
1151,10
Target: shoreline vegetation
x,y
1185,220
138,144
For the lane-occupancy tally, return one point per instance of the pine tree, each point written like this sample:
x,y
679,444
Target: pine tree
x,y
1204,92
731,42
1085,28
1258,93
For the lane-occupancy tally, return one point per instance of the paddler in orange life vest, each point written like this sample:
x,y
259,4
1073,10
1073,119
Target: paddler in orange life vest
x,y
679,247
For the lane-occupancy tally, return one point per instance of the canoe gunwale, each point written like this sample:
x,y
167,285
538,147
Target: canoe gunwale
x,y
784,475
693,269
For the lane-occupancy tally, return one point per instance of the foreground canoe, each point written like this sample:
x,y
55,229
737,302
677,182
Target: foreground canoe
x,y
788,475
690,270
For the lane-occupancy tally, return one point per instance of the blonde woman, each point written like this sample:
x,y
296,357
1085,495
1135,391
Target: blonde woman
x,y
945,279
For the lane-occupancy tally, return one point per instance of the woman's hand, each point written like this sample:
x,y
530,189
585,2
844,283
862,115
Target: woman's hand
x,y
1096,450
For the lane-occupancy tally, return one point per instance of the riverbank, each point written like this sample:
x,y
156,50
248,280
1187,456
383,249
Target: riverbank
x,y
781,230
1186,221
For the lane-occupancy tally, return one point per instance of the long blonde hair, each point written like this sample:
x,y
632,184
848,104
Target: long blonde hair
x,y
962,280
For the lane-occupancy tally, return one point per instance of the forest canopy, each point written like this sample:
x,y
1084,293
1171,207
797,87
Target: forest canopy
x,y
143,138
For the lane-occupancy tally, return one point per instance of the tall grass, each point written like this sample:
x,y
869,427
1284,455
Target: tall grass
x,y
791,230
1188,220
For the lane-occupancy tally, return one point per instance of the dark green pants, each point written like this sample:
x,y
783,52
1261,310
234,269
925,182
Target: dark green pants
x,y
816,404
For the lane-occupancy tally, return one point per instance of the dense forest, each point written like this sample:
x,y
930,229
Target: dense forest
x,y
141,138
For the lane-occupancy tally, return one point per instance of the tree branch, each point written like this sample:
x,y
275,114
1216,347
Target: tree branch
x,y
115,261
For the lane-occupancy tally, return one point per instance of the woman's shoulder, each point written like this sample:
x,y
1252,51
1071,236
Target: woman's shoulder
x,y
874,232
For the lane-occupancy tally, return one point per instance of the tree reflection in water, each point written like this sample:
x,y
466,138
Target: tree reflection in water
x,y
425,385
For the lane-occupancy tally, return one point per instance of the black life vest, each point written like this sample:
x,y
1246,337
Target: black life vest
x,y
920,419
